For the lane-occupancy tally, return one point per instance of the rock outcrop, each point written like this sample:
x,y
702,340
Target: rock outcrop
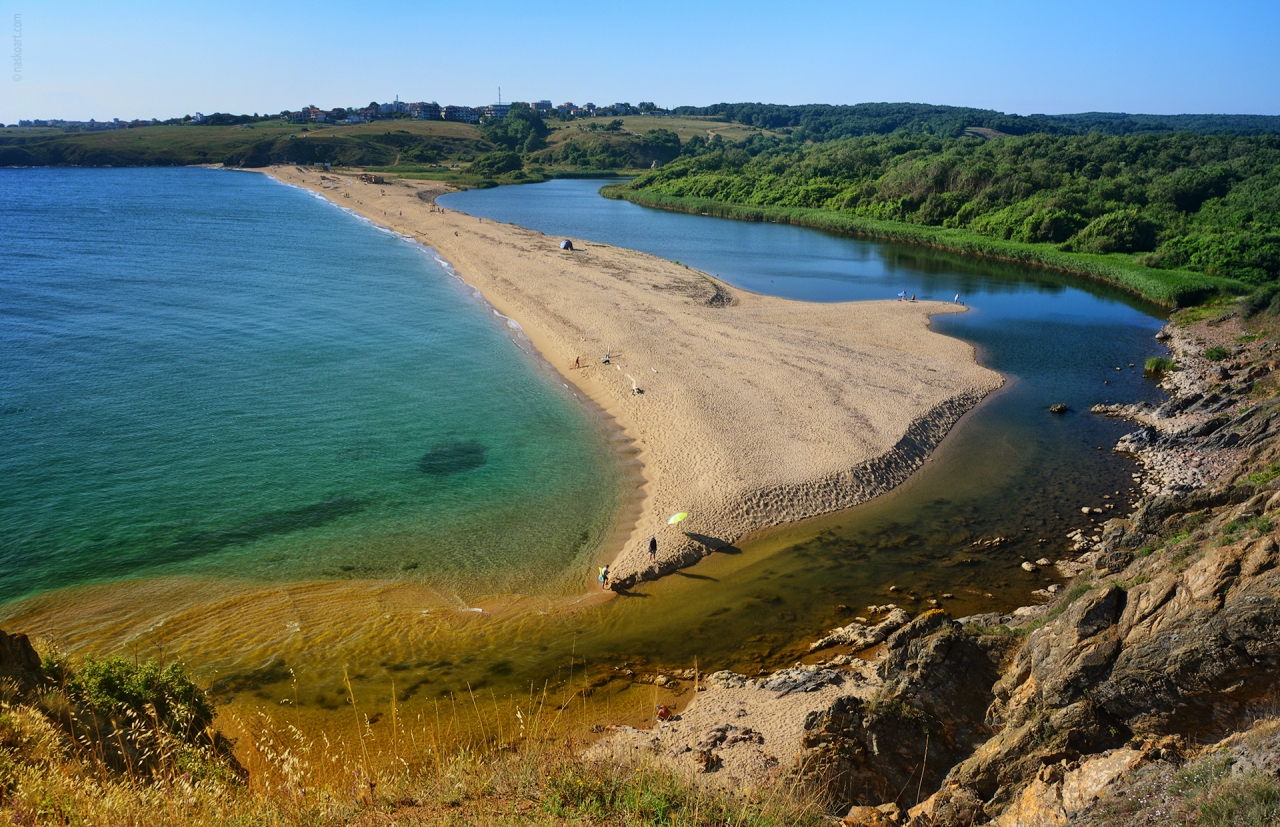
x,y
1172,637
1168,638
19,662
926,714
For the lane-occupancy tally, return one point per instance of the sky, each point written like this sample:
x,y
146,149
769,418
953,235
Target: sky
x,y
78,60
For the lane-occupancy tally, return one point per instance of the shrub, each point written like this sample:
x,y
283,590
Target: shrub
x,y
115,684
496,163
1265,299
1216,353
1266,475
1123,231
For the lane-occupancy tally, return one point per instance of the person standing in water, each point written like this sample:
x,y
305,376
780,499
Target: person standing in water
x,y
653,550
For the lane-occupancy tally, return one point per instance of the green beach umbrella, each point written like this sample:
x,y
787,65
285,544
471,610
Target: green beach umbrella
x,y
676,518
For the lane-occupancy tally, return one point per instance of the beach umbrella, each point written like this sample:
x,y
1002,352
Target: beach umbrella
x,y
676,518
903,294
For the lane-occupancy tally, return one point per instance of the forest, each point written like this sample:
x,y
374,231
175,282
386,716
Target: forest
x,y
825,122
1203,203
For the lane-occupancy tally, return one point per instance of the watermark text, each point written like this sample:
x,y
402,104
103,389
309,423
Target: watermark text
x,y
17,47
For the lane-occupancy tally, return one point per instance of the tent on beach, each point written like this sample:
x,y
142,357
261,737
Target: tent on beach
x,y
566,245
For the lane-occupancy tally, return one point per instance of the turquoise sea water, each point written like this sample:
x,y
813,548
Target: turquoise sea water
x,y
205,372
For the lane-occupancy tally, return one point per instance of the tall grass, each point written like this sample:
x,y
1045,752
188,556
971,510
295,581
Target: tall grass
x,y
1171,288
467,761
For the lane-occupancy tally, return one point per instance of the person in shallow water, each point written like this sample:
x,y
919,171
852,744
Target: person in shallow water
x,y
653,549
604,577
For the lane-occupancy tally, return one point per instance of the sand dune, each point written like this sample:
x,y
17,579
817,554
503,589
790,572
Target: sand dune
x,y
749,410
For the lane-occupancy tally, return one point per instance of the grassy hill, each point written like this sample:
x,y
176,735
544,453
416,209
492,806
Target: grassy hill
x,y
379,143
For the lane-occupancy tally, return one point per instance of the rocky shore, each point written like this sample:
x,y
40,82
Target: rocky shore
x,y
1161,657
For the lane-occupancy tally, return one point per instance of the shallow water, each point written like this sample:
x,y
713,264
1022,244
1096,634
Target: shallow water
x,y
212,374
1009,469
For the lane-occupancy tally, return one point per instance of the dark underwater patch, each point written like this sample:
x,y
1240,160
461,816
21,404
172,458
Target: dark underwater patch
x,y
284,521
453,458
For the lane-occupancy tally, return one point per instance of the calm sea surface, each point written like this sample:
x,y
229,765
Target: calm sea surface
x,y
211,373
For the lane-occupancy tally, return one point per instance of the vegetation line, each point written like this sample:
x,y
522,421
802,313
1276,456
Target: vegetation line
x,y
1167,288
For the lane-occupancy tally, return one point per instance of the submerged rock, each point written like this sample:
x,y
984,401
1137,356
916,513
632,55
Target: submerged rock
x,y
453,458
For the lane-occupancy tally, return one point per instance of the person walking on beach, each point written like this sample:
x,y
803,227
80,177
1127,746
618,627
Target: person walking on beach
x,y
604,578
653,550
577,362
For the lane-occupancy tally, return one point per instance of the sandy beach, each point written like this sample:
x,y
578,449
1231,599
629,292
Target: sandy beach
x,y
748,411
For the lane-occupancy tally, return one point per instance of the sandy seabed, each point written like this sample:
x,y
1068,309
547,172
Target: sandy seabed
x,y
748,411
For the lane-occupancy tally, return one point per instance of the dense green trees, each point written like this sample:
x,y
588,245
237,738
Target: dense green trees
x,y
1209,203
822,122
522,130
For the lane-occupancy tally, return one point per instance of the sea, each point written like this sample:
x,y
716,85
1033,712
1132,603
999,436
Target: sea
x,y
208,373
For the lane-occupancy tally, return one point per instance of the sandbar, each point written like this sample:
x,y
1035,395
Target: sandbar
x,y
749,411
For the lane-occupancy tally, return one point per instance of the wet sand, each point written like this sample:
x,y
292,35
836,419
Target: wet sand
x,y
748,411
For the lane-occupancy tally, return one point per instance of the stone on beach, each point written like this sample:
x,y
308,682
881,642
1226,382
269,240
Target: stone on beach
x,y
862,637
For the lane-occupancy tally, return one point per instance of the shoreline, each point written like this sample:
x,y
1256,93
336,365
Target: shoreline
x,y
1175,289
728,497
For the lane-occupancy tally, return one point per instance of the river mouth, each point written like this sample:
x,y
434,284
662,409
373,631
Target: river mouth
x,y
1006,486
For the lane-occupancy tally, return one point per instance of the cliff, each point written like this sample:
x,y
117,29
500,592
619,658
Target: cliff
x,y
1167,641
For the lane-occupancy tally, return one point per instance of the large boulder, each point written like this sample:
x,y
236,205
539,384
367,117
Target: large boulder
x,y
927,716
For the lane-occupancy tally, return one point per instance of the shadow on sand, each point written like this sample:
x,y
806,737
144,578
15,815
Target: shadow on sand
x,y
714,543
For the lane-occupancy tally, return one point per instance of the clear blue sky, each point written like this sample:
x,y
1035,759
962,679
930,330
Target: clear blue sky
x,y
151,59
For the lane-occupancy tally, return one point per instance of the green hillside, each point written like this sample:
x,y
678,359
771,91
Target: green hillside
x,y
1171,209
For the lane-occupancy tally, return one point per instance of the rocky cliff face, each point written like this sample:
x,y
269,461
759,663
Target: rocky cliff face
x,y
926,713
1172,638
19,663
1169,638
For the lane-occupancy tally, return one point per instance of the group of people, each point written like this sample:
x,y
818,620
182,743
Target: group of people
x,y
653,561
902,296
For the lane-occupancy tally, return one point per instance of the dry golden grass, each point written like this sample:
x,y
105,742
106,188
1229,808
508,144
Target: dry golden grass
x,y
467,764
